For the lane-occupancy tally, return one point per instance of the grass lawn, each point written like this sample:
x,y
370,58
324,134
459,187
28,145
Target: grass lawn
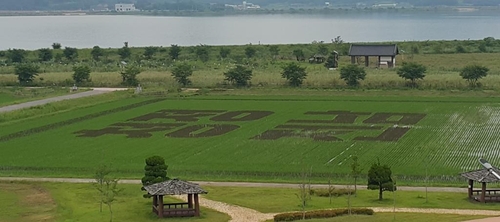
x,y
403,217
272,200
79,202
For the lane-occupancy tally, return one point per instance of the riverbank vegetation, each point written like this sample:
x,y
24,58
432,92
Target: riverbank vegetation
x,y
444,61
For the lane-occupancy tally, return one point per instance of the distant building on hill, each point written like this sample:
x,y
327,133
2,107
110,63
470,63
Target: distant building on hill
x,y
125,7
244,6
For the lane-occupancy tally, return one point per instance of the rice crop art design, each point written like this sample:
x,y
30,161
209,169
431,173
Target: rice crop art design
x,y
324,126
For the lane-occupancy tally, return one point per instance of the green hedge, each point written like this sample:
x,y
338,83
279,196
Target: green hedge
x,y
333,192
320,214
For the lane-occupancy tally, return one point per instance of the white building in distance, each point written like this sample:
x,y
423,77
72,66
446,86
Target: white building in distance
x,y
125,7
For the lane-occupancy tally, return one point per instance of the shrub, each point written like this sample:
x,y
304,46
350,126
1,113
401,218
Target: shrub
x,y
321,214
412,71
181,73
333,192
472,73
460,49
129,76
56,45
26,73
81,74
239,76
70,53
250,51
294,73
352,73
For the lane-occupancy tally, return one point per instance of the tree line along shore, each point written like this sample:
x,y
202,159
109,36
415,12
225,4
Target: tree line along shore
x,y
205,66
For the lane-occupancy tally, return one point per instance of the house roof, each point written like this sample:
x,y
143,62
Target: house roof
x,y
174,187
374,50
482,175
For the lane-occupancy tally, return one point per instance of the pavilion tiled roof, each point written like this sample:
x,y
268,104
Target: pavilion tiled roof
x,y
174,187
482,175
374,50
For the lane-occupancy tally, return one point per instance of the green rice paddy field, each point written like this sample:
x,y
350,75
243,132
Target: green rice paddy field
x,y
259,138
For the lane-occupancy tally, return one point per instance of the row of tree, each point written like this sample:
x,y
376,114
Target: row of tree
x,y
240,75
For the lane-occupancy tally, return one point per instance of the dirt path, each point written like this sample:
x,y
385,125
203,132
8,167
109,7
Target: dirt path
x,y
234,184
95,91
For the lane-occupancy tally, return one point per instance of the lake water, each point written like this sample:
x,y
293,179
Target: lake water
x,y
32,32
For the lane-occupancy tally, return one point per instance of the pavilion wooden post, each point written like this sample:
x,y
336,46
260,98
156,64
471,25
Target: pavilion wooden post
x,y
471,188
353,60
160,206
378,62
483,192
190,200
393,62
196,205
155,203
367,61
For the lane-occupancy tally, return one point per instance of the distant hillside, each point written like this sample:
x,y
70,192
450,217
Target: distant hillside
x,y
214,5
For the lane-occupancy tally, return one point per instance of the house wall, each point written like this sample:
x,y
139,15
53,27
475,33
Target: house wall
x,y
125,7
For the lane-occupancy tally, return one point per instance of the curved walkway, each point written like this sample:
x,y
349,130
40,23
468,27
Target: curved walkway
x,y
95,91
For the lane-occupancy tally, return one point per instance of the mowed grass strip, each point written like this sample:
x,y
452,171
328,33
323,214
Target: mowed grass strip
x,y
274,200
237,155
80,202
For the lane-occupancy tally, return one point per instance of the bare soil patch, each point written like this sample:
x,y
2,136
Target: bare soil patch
x,y
37,204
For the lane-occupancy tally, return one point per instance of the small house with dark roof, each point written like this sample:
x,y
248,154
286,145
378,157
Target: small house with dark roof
x,y
175,187
317,58
483,176
386,54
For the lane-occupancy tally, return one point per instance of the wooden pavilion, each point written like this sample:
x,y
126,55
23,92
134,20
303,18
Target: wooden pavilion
x,y
386,54
176,187
317,58
482,176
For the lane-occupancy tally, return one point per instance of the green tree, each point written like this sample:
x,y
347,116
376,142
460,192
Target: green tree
x,y
129,76
239,76
224,52
56,45
380,178
472,73
322,49
182,72
355,172
155,171
100,176
202,52
26,73
16,55
45,54
81,74
274,50
70,53
150,51
294,73
250,51
482,47
96,53
124,52
461,49
412,71
299,54
174,51
352,73
109,193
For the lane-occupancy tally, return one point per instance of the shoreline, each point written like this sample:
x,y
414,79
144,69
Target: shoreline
x,y
455,10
